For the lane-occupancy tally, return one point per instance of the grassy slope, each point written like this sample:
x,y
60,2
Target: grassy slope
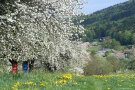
x,y
57,81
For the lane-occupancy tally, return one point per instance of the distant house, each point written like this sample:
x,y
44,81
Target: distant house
x,y
102,51
119,51
94,43
101,40
124,51
87,44
104,38
120,55
90,44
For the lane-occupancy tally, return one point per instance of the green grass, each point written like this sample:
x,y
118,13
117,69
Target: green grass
x,y
94,48
59,81
125,81
43,81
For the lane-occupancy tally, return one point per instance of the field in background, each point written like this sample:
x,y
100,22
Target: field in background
x,y
97,48
125,81
94,48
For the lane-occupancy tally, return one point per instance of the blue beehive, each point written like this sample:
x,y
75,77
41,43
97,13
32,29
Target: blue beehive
x,y
25,66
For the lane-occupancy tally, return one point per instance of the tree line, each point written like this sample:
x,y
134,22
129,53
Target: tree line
x,y
117,21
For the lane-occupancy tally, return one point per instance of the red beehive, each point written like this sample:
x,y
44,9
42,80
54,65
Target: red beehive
x,y
14,67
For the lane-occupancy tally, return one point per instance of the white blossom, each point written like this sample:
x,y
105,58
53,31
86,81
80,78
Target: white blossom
x,y
41,30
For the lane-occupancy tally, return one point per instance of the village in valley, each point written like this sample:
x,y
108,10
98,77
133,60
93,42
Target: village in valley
x,y
97,48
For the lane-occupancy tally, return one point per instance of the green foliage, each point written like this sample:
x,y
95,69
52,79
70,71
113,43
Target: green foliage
x,y
133,38
89,36
131,65
93,52
99,65
124,47
114,63
107,53
112,44
123,64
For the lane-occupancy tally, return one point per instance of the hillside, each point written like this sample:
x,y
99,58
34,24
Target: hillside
x,y
117,21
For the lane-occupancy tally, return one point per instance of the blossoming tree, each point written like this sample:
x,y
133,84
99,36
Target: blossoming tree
x,y
41,30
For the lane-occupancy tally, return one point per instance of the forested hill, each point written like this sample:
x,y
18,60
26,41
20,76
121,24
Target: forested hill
x,y
117,21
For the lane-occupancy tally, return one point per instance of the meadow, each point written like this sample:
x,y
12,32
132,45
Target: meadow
x,y
60,81
43,81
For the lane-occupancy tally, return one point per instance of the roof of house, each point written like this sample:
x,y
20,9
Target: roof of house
x,y
126,51
119,51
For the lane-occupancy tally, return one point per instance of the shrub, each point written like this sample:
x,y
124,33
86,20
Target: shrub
x,y
131,65
98,65
114,62
111,43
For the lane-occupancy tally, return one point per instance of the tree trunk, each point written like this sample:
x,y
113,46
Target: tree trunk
x,y
31,65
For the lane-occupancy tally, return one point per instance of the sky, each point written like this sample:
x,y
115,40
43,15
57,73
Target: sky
x,y
95,5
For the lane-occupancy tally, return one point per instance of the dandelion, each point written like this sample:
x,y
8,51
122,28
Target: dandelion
x,y
78,75
106,80
61,81
75,82
57,85
84,83
35,84
42,85
56,82
66,76
119,85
